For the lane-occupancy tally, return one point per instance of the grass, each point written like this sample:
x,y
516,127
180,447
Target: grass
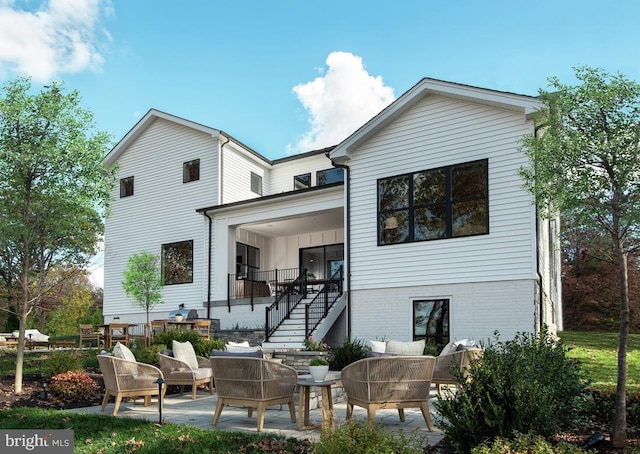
x,y
598,354
106,434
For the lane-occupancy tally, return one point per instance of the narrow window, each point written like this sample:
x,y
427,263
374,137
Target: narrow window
x,y
177,263
256,183
329,176
126,187
302,181
431,321
191,171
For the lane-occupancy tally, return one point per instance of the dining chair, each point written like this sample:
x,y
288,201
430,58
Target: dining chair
x,y
155,327
117,332
88,333
203,327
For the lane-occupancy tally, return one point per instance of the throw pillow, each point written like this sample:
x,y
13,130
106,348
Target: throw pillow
x,y
248,354
122,351
378,346
237,349
406,348
238,344
184,352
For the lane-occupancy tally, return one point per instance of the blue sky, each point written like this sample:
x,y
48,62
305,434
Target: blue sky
x,y
290,76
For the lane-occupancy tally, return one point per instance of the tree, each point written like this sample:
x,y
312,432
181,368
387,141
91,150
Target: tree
x,y
585,161
142,281
54,192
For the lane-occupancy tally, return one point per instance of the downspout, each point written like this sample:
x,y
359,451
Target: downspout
x,y
347,259
538,272
209,267
210,248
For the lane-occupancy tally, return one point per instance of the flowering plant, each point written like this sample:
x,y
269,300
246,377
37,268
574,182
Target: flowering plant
x,y
73,385
316,346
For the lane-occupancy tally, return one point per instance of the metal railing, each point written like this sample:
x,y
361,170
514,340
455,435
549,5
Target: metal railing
x,y
318,308
281,308
259,284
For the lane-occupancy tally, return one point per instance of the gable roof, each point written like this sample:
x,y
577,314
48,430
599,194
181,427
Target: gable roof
x,y
504,100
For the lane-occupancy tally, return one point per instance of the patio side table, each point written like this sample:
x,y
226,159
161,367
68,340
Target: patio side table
x,y
304,389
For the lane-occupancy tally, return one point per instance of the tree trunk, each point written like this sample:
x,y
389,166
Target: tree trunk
x,y
619,433
20,352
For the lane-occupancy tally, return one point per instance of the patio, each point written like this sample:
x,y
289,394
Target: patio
x,y
199,412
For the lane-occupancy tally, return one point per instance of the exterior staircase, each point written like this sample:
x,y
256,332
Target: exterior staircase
x,y
291,333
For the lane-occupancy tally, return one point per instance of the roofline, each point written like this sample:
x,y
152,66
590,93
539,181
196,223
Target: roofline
x,y
280,195
525,103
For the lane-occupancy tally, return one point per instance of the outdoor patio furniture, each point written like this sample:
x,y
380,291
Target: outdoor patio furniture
x,y
396,382
203,327
179,372
125,378
90,334
253,383
450,366
116,332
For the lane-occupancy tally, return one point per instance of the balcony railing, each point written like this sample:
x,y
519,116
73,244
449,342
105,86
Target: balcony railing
x,y
259,284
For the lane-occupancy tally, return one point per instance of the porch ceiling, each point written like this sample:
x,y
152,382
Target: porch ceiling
x,y
307,223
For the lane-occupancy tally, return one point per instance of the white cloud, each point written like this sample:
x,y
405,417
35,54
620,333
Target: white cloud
x,y
340,101
60,36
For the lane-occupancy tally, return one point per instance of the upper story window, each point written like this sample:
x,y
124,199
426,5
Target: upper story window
x,y
446,202
191,171
256,183
329,176
177,263
126,187
302,181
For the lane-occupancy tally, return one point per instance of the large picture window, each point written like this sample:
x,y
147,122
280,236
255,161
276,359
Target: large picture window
x,y
431,321
177,263
446,202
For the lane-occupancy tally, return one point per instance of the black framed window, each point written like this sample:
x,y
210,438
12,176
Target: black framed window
x,y
177,263
446,202
191,171
247,260
329,176
302,181
431,321
126,187
256,183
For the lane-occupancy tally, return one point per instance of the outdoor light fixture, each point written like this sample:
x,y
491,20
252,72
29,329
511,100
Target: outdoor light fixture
x,y
181,306
160,381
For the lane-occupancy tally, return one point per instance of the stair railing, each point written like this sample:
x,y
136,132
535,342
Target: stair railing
x,y
318,308
284,303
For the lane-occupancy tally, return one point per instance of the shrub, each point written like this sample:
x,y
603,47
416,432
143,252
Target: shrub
x,y
526,444
364,437
149,355
524,385
75,386
318,362
201,345
348,352
62,361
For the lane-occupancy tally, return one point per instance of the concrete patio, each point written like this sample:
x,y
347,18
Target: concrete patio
x,y
183,410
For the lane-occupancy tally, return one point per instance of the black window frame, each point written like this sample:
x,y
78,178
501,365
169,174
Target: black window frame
x,y
191,171
442,334
188,279
247,260
126,187
256,183
326,176
397,225
300,183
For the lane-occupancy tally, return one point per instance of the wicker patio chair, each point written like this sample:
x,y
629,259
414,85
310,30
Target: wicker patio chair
x,y
123,378
253,383
452,366
396,382
177,372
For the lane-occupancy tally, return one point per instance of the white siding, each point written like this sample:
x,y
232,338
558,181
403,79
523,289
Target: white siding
x,y
236,171
440,131
476,310
283,173
162,210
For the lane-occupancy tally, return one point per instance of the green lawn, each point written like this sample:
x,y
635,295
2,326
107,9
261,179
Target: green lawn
x,y
598,354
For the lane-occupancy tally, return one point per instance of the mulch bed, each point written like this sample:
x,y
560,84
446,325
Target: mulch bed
x,y
33,395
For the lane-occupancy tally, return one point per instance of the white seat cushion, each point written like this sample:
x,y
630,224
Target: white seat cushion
x,y
378,346
406,348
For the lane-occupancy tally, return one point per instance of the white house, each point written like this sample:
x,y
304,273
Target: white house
x,y
414,226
